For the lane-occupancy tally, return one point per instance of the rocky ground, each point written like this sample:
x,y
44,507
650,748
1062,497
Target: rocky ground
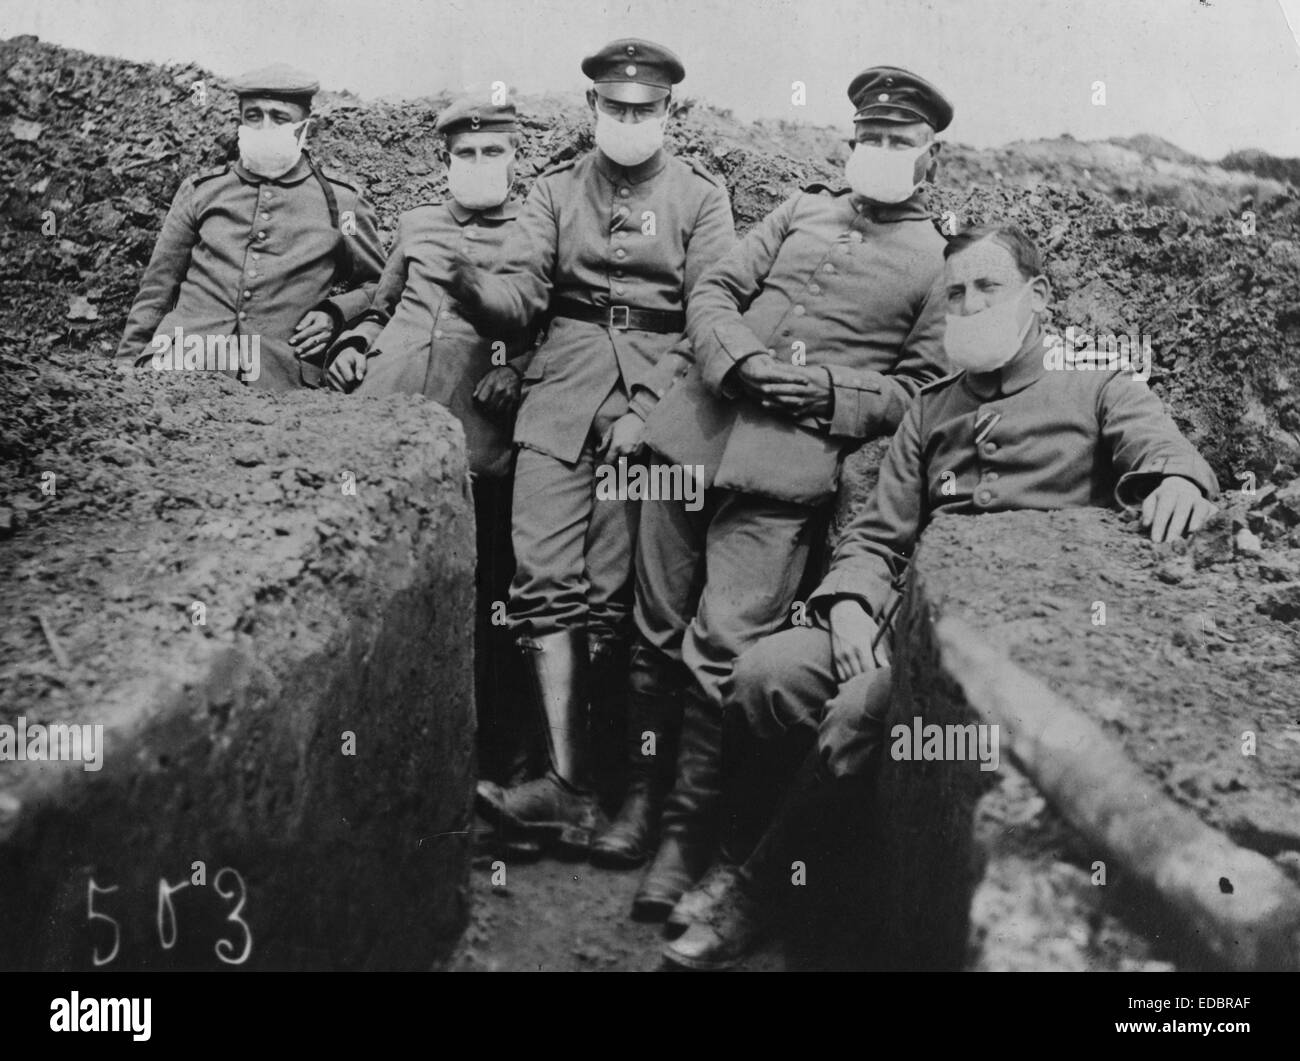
x,y
1205,259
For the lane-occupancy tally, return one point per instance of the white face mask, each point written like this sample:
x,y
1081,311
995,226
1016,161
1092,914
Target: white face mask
x,y
883,174
480,185
987,340
629,143
274,151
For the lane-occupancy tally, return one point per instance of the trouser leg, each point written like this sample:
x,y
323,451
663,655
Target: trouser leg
x,y
669,557
755,552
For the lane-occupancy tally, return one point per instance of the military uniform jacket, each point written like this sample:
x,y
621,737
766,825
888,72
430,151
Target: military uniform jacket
x,y
605,235
1023,437
823,281
242,255
418,338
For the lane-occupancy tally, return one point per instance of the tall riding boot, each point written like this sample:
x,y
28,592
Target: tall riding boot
x,y
755,777
560,804
689,823
650,741
736,902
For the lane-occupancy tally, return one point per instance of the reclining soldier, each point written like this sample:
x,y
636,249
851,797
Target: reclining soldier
x,y
1006,432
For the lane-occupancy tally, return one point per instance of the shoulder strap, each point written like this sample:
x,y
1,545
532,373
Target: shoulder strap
x,y
343,262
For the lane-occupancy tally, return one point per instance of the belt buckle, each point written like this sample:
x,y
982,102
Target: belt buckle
x,y
627,317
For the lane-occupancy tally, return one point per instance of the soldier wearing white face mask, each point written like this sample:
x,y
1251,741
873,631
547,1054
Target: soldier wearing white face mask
x,y
811,337
254,248
609,245
413,338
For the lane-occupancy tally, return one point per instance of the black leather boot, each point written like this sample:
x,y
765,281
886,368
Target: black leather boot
x,y
650,741
560,805
689,823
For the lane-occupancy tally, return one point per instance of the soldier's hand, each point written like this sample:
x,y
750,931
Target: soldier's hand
x,y
852,632
498,390
622,438
1174,508
759,373
312,333
808,395
348,368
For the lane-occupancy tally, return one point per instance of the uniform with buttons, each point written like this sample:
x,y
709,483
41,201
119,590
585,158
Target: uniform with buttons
x,y
1020,437
614,240
241,254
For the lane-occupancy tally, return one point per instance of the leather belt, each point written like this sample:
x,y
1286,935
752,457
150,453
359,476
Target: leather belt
x,y
621,318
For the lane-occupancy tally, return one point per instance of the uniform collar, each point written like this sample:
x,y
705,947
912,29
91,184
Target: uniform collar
x,y
642,171
300,172
501,212
914,208
1017,374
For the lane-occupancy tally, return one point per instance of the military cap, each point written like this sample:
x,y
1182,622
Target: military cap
x,y
887,93
278,81
477,114
634,71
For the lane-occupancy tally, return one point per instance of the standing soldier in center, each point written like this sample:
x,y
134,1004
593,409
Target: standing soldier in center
x,y
810,338
610,246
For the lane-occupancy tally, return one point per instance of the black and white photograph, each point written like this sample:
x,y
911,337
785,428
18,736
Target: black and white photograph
x,y
573,486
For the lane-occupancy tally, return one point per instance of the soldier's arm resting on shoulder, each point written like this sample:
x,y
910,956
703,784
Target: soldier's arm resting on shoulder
x,y
519,290
874,548
714,310
162,278
868,404
1160,472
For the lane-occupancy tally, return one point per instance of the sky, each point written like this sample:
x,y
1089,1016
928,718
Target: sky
x,y
1209,76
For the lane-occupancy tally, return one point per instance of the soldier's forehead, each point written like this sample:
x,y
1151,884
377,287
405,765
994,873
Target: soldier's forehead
x,y
482,137
268,103
988,257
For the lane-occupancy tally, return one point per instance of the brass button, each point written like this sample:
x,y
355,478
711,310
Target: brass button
x,y
799,311
989,448
625,192
248,294
828,268
814,289
266,216
620,253
984,497
261,235
437,333
619,289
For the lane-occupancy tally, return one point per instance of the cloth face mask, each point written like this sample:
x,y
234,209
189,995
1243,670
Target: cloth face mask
x,y
629,143
987,340
480,185
882,174
274,151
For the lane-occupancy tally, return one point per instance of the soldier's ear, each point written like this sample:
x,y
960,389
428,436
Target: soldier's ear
x,y
1040,293
591,99
933,166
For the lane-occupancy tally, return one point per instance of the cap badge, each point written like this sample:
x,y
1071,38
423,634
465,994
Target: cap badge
x,y
630,70
631,49
474,120
883,97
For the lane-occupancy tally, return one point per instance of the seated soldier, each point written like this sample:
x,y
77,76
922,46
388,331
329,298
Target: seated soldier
x,y
1004,433
241,274
414,339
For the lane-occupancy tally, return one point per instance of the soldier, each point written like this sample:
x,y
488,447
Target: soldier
x,y
414,339
810,338
252,249
610,244
1006,433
